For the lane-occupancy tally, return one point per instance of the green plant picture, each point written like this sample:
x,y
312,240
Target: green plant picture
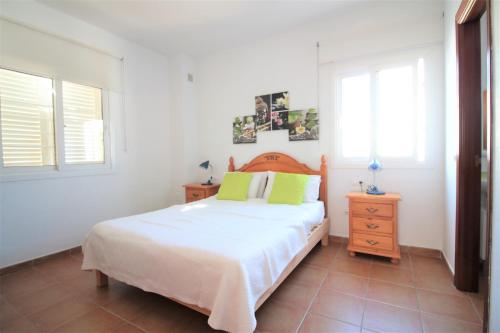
x,y
303,125
244,130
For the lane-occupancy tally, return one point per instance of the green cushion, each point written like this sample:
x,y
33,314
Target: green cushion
x,y
288,188
235,186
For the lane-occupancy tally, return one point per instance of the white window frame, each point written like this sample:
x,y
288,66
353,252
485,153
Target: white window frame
x,y
371,65
61,169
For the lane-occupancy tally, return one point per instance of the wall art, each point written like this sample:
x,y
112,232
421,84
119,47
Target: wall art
x,y
263,113
303,125
280,101
279,120
244,130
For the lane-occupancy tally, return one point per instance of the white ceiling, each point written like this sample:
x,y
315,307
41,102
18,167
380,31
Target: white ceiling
x,y
194,27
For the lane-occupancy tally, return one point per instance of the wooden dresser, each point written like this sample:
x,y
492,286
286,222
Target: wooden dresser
x,y
373,224
196,192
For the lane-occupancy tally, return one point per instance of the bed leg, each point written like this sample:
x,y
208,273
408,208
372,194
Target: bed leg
x,y
324,240
101,279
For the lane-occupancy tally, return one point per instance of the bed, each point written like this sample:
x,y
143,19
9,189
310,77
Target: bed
x,y
220,258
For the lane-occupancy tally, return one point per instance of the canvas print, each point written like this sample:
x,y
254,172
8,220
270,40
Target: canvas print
x,y
303,125
279,120
263,113
244,130
279,101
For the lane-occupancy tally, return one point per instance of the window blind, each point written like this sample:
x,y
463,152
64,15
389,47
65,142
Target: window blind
x,y
27,119
83,124
35,51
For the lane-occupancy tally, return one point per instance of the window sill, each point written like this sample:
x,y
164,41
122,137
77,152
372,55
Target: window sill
x,y
387,163
84,171
416,166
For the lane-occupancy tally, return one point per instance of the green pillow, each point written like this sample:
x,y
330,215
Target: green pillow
x,y
235,186
288,188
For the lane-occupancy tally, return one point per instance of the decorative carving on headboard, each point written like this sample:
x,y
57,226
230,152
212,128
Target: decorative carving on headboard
x,y
284,163
272,157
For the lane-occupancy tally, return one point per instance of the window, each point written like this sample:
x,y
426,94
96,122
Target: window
x,y
83,126
27,120
355,105
380,113
49,125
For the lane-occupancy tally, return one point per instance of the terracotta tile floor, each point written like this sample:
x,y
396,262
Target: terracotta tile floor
x,y
328,292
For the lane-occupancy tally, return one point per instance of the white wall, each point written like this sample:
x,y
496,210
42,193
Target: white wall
x,y
229,81
172,125
495,233
183,124
45,216
451,107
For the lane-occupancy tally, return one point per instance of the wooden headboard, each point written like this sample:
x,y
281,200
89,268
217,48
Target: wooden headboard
x,y
283,163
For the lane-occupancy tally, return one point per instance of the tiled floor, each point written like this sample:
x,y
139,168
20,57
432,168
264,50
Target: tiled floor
x,y
328,292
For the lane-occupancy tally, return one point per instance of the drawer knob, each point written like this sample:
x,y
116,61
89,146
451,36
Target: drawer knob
x,y
372,226
371,210
196,195
371,242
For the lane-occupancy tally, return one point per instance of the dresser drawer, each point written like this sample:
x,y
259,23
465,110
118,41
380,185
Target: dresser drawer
x,y
193,195
372,241
371,209
369,224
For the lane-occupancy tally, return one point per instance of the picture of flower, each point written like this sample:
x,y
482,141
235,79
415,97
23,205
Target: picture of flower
x,y
244,130
303,125
279,120
263,113
280,101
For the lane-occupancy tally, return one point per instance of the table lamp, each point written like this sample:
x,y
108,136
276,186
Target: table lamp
x,y
205,165
374,166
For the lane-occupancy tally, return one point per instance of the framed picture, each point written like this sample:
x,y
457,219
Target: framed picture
x,y
263,113
244,130
280,101
303,125
279,120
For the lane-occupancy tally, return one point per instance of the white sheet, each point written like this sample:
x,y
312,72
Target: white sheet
x,y
311,213
219,255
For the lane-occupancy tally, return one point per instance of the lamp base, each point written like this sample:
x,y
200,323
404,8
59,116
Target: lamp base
x,y
208,182
373,190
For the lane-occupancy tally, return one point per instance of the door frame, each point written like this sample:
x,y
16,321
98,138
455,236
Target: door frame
x,y
467,238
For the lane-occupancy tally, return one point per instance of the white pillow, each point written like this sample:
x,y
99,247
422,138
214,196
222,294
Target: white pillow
x,y
262,185
257,184
269,185
311,193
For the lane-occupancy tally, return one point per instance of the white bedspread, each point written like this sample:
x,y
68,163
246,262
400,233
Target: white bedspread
x,y
219,255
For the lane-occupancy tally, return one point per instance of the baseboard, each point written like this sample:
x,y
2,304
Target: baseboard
x,y
450,268
338,239
29,263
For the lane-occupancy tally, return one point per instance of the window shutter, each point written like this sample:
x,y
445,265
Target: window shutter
x,y
27,119
83,124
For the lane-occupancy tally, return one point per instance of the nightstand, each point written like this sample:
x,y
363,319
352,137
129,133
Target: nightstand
x,y
196,192
373,225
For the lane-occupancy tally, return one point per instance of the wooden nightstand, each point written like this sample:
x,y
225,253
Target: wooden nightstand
x,y
196,192
373,225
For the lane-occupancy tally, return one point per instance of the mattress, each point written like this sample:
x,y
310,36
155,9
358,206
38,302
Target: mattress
x,y
218,255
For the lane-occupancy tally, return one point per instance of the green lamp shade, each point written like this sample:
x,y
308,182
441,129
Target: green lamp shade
x,y
205,165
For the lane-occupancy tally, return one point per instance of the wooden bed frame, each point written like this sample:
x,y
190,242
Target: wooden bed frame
x,y
280,163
